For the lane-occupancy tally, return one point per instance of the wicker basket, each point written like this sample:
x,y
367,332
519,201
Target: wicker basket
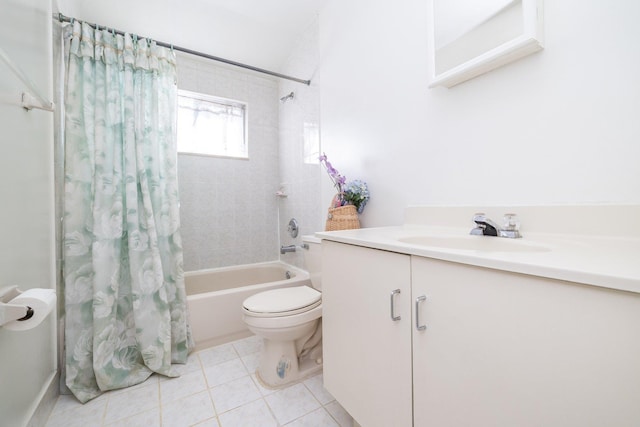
x,y
342,218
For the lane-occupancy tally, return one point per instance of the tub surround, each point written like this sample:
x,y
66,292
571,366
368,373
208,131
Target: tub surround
x,y
596,245
298,118
228,213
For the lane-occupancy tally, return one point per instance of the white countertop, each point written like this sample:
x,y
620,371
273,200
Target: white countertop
x,y
605,261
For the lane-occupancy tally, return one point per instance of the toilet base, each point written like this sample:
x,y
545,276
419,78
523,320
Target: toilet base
x,y
285,362
306,369
292,346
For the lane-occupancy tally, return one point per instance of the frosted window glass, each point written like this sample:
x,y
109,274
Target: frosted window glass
x,y
211,126
311,143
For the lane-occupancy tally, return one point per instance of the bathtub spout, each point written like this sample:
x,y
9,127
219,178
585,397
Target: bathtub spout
x,y
285,249
292,248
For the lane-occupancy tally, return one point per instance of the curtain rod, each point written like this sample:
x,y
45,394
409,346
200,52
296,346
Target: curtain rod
x,y
62,18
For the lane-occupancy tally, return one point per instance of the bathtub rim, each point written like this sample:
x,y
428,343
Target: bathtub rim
x,y
235,331
298,270
300,275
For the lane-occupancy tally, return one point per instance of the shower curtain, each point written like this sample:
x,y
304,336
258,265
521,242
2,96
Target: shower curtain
x,y
125,302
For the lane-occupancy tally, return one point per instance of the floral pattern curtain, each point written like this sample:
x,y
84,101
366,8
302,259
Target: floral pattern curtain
x,y
125,302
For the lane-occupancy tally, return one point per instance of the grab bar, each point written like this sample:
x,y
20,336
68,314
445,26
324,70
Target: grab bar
x,y
32,98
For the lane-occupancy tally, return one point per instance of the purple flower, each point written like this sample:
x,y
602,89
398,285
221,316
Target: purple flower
x,y
354,193
337,179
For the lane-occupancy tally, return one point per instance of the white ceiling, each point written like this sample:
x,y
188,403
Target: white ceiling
x,y
258,32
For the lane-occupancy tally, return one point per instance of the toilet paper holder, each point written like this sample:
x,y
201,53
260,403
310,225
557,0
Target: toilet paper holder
x,y
11,312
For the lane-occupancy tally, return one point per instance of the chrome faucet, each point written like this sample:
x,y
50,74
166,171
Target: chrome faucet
x,y
292,248
487,227
289,248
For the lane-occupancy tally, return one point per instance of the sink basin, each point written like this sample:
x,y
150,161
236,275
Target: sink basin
x,y
475,243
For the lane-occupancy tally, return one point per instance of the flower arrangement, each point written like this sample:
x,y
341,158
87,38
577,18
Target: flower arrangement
x,y
353,192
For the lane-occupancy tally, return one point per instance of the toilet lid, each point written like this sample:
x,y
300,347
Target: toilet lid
x,y
283,300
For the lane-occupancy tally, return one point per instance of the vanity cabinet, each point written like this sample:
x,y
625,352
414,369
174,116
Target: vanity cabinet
x,y
366,354
475,346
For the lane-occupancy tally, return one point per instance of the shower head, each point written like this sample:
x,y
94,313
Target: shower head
x,y
287,97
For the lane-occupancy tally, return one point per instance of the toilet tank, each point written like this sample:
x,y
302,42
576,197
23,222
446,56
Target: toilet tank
x,y
313,260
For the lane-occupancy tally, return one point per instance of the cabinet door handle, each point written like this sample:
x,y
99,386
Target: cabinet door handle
x,y
419,327
393,314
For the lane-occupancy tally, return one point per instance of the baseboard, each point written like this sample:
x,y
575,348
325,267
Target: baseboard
x,y
201,345
48,400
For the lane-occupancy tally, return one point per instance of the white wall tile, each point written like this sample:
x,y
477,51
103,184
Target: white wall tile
x,y
303,180
229,211
222,201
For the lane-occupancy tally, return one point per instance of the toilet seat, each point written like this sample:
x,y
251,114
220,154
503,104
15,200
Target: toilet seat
x,y
282,302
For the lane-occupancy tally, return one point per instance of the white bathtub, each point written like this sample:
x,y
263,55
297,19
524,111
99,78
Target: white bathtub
x,y
215,296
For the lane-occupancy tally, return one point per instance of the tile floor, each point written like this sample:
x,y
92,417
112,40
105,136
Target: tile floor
x,y
217,388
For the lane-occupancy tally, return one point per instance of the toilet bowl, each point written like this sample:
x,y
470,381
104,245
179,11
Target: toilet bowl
x,y
290,322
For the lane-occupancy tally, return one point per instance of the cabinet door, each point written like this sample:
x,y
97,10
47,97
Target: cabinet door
x,y
502,350
367,355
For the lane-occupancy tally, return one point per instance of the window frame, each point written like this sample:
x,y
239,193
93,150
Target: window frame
x,y
221,101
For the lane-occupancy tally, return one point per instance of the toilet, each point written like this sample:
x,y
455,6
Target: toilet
x,y
289,321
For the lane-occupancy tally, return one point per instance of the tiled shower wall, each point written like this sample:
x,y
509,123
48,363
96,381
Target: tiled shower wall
x,y
301,180
228,207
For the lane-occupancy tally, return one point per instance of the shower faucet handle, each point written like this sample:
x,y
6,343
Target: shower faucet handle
x,y
293,228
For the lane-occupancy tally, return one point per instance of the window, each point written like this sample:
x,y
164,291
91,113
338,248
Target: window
x,y
311,150
211,126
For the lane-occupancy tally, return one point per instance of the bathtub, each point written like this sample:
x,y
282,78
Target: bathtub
x,y
215,296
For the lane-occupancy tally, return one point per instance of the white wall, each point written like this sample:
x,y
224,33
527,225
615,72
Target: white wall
x,y
560,126
27,256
